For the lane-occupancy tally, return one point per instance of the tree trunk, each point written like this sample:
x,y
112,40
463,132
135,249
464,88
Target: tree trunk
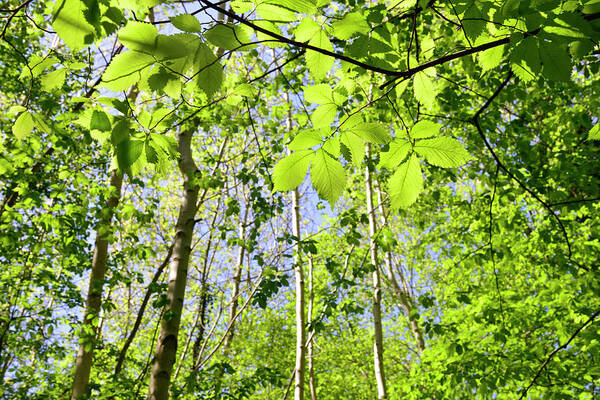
x,y
300,320
85,354
378,334
311,297
166,347
403,296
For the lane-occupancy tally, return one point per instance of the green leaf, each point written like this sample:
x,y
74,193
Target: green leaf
x,y
299,6
228,37
473,22
443,152
125,70
23,125
54,80
424,129
307,29
139,36
70,23
317,63
406,183
128,152
138,4
371,132
100,121
595,133
352,24
556,62
209,74
398,150
355,145
327,176
424,87
186,23
319,94
324,115
291,170
305,139
120,132
490,58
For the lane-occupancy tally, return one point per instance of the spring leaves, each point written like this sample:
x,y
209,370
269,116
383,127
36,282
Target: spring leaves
x,y
159,63
319,151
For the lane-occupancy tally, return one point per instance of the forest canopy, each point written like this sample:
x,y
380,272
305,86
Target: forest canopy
x,y
354,199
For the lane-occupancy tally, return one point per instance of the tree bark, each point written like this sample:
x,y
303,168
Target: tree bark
x,y
312,384
378,334
166,347
83,364
403,296
300,320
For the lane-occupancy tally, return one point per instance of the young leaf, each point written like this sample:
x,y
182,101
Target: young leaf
x,y
120,132
355,145
397,152
324,115
443,151
23,125
128,152
327,176
319,64
70,23
305,140
209,74
490,58
291,170
595,132
319,94
556,62
139,36
228,37
352,24
186,23
100,121
424,87
406,183
371,132
424,129
125,70
54,80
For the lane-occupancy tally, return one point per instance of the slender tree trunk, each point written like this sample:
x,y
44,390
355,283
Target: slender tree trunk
x,y
236,284
403,296
299,279
166,347
85,354
378,340
311,297
300,320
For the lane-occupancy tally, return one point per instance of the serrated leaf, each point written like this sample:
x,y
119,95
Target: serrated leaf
x,y
299,6
70,23
23,125
100,121
150,153
319,94
353,23
164,144
16,109
355,145
228,37
291,170
318,63
125,70
371,132
398,150
406,183
54,80
424,87
424,129
332,146
138,4
186,23
245,90
305,139
120,132
595,133
324,115
490,58
443,152
306,30
139,36
209,74
473,22
556,62
128,152
327,176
